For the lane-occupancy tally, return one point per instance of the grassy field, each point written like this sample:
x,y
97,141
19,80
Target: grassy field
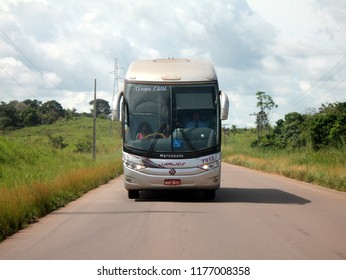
x,y
43,168
325,167
37,177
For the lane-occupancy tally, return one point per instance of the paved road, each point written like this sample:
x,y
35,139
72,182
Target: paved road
x,y
254,216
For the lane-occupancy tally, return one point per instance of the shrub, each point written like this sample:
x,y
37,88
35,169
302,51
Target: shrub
x,y
57,142
83,145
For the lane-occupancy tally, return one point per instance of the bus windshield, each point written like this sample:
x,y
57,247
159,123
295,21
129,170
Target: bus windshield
x,y
161,119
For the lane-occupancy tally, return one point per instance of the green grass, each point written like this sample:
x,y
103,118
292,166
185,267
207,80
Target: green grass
x,y
326,167
36,178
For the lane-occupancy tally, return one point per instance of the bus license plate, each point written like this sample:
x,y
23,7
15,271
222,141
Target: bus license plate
x,y
172,182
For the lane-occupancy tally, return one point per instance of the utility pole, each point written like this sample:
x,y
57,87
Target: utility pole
x,y
257,127
94,124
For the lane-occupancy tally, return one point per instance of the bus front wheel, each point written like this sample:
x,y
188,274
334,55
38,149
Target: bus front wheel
x,y
133,194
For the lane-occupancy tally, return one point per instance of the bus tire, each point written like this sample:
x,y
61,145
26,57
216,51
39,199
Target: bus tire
x,y
133,194
209,194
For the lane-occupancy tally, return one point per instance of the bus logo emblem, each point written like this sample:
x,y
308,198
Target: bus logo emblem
x,y
172,171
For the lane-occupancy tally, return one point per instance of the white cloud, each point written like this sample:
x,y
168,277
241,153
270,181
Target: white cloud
x,y
50,80
76,100
55,49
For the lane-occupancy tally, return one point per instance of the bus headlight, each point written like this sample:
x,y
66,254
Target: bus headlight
x,y
134,166
211,165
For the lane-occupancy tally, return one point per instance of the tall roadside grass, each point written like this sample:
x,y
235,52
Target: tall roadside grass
x,y
36,178
326,167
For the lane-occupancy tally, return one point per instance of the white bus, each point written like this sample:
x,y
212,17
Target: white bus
x,y
164,148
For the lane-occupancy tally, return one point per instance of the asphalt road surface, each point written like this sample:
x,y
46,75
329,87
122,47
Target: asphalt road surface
x,y
254,216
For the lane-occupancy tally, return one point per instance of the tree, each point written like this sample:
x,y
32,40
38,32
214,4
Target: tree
x,y
288,133
70,113
102,107
8,116
265,104
30,117
234,129
51,111
327,128
34,104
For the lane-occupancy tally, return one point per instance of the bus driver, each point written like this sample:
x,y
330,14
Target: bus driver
x,y
196,122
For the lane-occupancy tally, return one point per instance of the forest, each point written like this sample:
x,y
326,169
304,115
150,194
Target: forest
x,y
19,114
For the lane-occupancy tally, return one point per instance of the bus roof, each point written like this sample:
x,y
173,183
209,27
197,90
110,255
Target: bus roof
x,y
171,70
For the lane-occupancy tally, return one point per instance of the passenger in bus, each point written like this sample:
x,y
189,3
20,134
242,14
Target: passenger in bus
x,y
196,121
167,131
144,130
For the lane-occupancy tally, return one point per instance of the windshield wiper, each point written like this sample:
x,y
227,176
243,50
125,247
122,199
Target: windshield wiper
x,y
158,133
186,139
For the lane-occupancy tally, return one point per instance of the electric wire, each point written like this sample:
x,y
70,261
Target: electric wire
x,y
18,83
8,39
331,73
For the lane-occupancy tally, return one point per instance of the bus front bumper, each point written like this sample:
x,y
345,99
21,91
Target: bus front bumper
x,y
197,179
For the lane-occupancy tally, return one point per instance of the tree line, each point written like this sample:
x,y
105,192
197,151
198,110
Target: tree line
x,y
325,127
18,114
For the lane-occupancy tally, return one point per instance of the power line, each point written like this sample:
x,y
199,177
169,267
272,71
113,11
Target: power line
x,y
27,59
318,96
332,88
18,83
18,49
4,92
324,79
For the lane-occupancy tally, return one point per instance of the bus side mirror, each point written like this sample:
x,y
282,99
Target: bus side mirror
x,y
224,106
116,116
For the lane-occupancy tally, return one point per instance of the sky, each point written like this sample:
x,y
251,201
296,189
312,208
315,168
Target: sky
x,y
293,50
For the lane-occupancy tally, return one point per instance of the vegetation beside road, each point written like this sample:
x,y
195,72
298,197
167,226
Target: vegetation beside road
x,y
43,168
326,167
309,147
